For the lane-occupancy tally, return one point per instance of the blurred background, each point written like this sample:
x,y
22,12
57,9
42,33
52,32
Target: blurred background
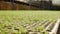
x,y
29,4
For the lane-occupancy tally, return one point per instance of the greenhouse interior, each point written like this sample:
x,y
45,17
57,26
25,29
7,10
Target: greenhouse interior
x,y
29,4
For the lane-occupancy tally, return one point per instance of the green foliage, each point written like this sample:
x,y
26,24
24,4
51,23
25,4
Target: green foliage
x,y
13,22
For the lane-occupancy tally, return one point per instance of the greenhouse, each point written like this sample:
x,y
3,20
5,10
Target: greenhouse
x,y
30,4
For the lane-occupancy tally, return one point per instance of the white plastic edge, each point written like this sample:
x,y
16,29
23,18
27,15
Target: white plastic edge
x,y
55,28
